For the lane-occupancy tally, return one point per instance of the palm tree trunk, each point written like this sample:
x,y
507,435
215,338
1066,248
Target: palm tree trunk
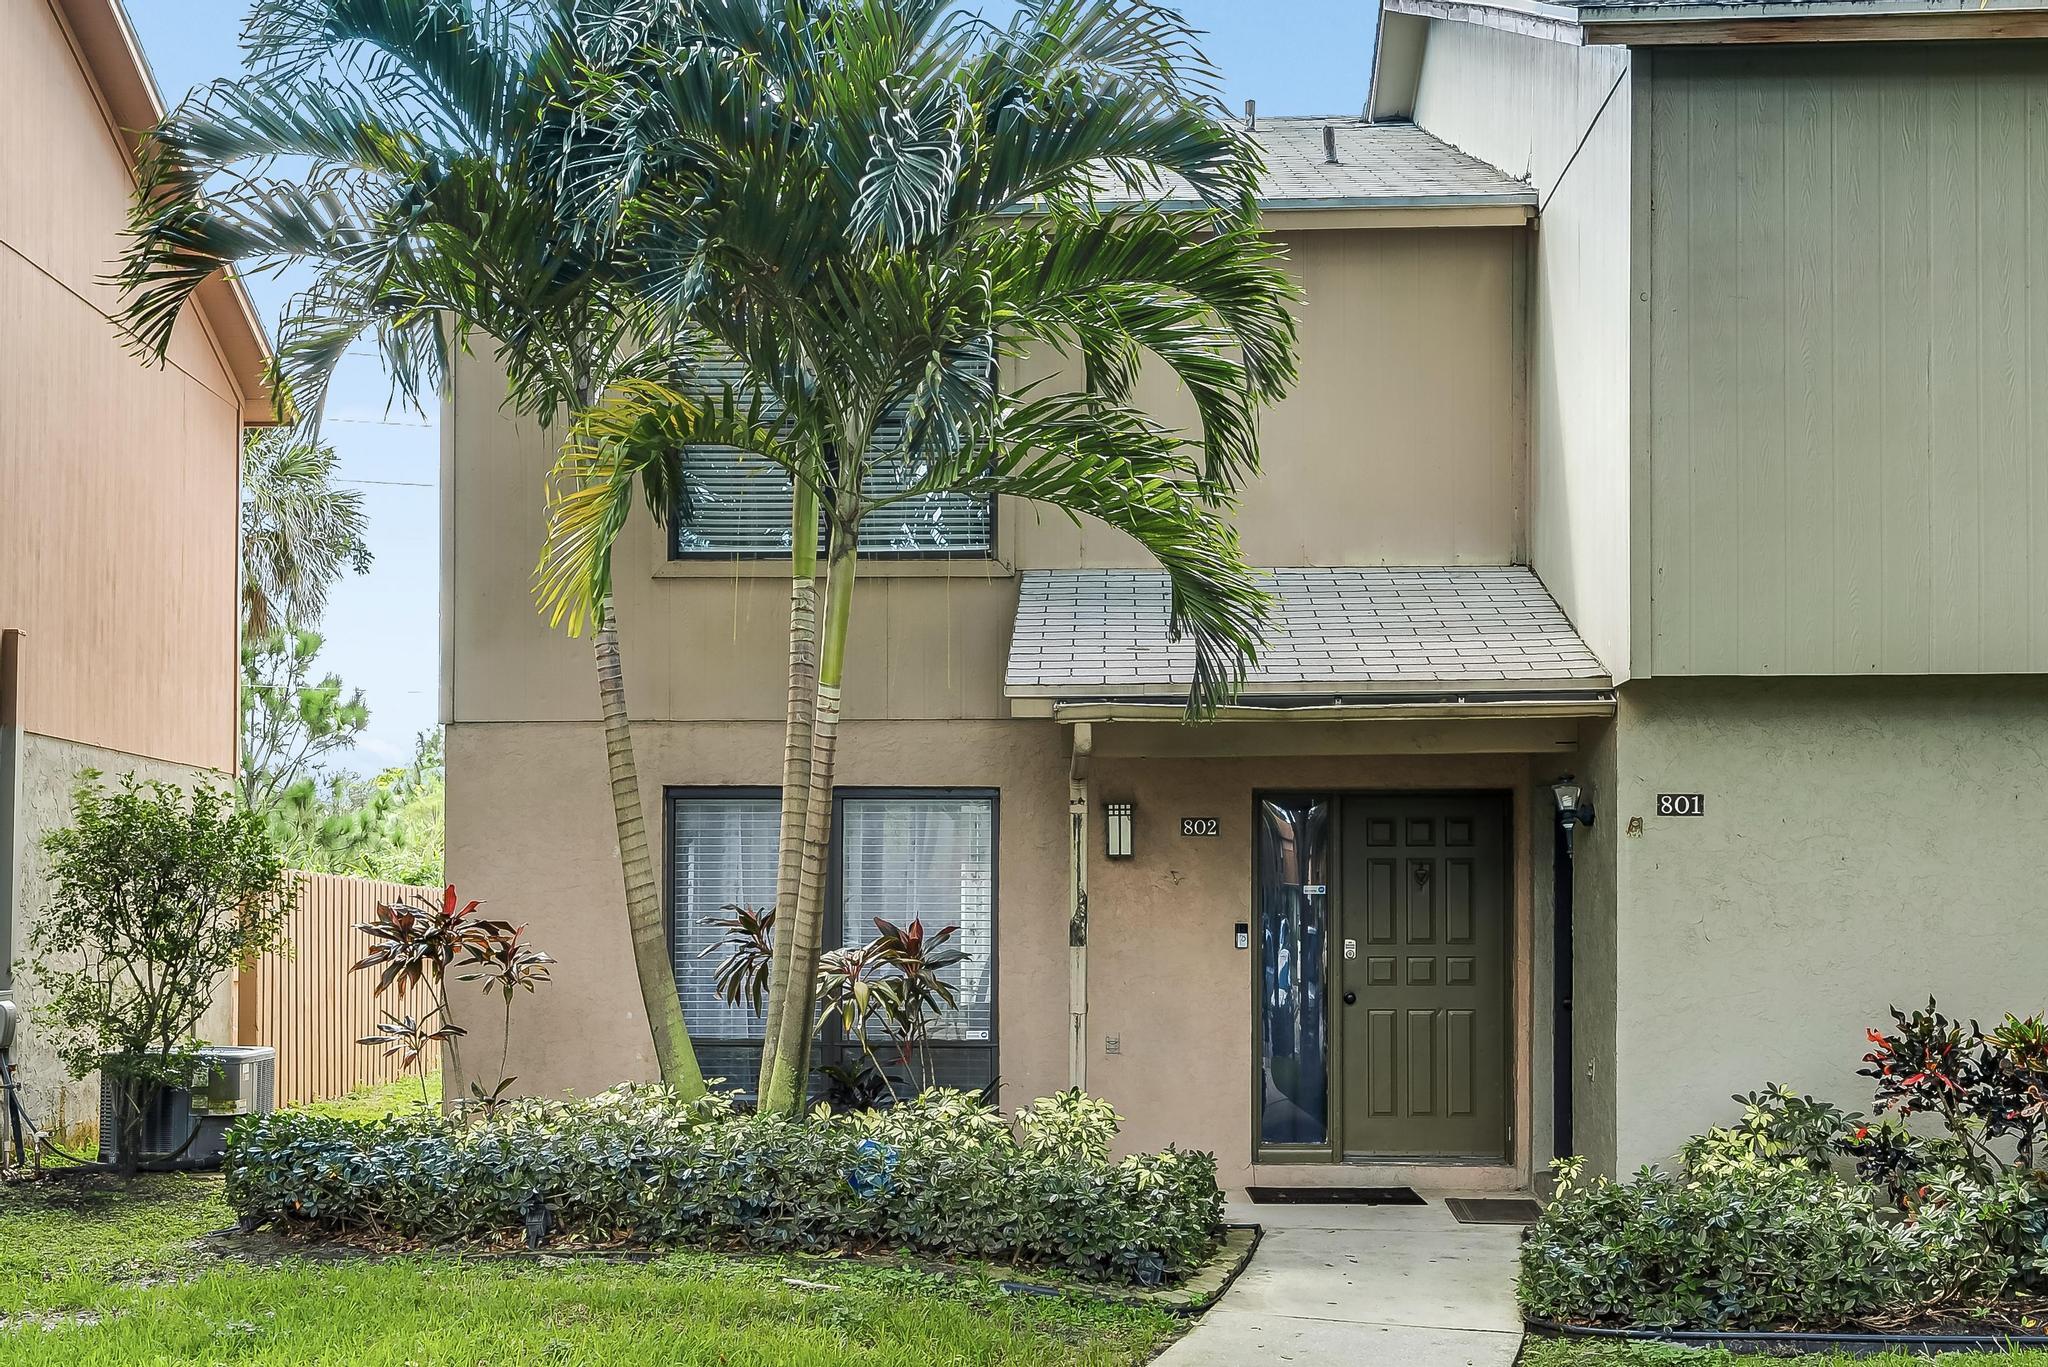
x,y
672,1049
786,1089
796,760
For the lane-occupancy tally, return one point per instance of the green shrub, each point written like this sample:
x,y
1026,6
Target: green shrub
x,y
1802,1215
939,1175
1071,1124
1761,1244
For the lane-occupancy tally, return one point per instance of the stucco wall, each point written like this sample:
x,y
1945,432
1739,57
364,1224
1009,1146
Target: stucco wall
x,y
1866,842
1401,445
530,832
1561,116
1401,442
49,773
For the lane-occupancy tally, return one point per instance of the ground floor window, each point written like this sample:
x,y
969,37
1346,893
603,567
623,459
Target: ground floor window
x,y
897,855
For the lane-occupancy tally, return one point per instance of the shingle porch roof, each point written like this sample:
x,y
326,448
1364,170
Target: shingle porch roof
x,y
1479,630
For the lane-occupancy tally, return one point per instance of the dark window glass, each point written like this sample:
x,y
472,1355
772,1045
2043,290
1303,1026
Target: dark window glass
x,y
1293,884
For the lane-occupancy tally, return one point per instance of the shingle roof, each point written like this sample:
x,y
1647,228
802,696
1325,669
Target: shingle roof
x,y
1491,629
1379,165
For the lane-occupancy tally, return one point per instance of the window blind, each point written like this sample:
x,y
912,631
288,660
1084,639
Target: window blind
x,y
722,853
900,858
929,859
740,503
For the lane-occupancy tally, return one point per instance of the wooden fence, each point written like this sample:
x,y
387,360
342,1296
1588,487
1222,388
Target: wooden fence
x,y
308,1006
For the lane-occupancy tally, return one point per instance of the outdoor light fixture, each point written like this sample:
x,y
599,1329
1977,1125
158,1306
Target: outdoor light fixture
x,y
1572,807
1116,821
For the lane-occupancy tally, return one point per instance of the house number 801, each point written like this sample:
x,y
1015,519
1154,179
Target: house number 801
x,y
1681,804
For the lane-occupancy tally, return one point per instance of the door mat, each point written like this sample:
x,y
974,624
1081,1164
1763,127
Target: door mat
x,y
1494,1210
1334,1196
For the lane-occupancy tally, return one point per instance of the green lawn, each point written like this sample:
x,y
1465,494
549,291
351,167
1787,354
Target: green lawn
x,y
1564,1353
93,1272
377,1102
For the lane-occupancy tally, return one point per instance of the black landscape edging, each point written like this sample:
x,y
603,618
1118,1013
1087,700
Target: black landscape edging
x,y
1755,1340
1162,1298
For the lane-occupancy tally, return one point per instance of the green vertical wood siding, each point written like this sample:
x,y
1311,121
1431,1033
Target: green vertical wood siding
x,y
1848,352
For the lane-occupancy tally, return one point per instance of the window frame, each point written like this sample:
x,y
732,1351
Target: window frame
x,y
830,1042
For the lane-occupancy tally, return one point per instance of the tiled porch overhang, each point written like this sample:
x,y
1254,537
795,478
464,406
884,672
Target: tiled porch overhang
x,y
1420,641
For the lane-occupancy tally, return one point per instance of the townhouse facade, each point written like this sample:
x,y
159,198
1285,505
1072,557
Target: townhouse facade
x,y
1652,693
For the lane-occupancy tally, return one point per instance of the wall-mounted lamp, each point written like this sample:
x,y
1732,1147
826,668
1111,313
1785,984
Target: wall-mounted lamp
x,y
1116,822
1573,807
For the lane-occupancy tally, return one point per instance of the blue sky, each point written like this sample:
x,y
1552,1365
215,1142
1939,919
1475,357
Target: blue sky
x,y
1292,56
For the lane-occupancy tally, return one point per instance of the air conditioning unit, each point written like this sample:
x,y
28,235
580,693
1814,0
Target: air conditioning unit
x,y
228,1081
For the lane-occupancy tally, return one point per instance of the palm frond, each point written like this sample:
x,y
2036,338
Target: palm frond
x,y
1089,457
632,443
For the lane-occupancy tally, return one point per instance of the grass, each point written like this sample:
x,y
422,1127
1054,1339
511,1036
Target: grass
x,y
1567,1353
94,1271
377,1101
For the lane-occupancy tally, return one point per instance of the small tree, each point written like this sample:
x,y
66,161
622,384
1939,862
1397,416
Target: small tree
x,y
155,894
292,722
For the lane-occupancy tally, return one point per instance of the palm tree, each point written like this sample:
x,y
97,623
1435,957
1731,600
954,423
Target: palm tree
x,y
405,151
298,530
867,204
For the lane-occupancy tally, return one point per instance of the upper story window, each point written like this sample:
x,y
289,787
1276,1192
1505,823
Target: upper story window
x,y
741,506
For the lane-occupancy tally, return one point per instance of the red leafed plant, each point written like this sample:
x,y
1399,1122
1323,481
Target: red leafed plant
x,y
1983,1086
412,947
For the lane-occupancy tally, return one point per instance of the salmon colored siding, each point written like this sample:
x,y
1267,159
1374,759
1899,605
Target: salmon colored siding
x,y
117,478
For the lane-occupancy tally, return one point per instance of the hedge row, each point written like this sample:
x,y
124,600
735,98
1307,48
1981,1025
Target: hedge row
x,y
940,1175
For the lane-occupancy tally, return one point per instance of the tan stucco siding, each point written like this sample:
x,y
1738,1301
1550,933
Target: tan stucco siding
x,y
1848,270
1399,445
1865,843
707,645
117,479
530,831
1561,116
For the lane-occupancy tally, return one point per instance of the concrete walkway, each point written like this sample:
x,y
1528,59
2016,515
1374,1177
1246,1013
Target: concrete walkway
x,y
1364,1285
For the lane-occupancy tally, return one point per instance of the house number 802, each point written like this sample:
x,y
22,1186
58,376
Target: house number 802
x,y
1200,825
1681,804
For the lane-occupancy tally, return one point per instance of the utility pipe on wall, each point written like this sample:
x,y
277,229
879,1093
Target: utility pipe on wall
x,y
10,800
1077,911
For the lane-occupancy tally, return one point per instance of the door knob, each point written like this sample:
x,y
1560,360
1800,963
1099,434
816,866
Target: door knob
x,y
1351,999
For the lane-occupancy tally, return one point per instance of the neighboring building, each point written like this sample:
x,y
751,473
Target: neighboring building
x,y
118,511
1648,394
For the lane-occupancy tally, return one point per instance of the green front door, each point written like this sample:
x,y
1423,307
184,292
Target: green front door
x,y
1420,950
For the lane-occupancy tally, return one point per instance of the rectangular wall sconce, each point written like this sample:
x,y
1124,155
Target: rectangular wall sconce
x,y
1116,817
